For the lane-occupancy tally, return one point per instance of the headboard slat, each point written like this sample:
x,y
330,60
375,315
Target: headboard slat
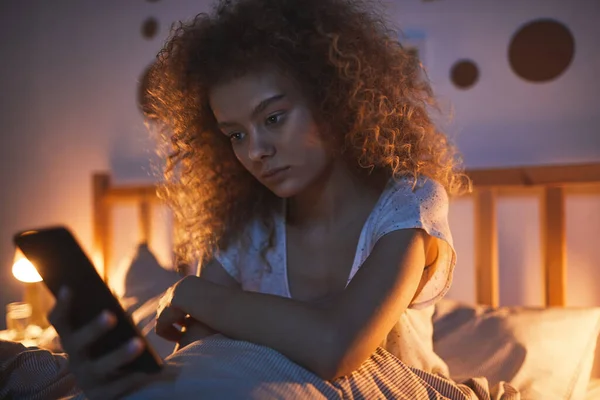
x,y
102,222
554,246
144,220
486,248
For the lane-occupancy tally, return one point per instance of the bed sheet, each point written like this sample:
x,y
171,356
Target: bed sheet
x,y
593,390
219,367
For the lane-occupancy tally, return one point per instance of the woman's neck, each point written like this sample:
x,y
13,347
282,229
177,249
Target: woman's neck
x,y
333,199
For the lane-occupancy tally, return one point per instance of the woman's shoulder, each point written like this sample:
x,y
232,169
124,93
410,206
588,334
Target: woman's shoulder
x,y
408,203
405,191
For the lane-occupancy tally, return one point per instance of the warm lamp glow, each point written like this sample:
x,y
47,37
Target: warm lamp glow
x,y
98,261
24,270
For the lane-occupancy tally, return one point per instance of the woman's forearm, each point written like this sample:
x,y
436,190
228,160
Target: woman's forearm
x,y
302,332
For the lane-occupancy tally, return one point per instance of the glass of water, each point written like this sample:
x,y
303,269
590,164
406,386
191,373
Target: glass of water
x,y
18,317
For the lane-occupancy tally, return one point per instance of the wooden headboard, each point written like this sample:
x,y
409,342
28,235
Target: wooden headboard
x,y
551,182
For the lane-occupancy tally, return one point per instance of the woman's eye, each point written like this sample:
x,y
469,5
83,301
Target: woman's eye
x,y
235,136
273,119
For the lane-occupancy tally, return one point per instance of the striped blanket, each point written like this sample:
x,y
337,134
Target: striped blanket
x,y
219,367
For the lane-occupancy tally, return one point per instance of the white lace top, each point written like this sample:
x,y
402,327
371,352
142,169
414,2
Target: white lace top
x,y
399,207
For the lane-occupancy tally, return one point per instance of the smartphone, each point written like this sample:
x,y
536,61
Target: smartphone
x,y
60,261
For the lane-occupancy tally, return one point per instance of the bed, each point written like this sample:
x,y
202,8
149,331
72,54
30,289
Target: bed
x,y
455,321
546,352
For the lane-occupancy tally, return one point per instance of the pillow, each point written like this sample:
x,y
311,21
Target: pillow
x,y
546,353
140,282
144,317
139,278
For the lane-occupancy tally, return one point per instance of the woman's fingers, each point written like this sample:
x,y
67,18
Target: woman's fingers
x,y
75,342
123,355
81,339
194,330
59,316
99,378
165,323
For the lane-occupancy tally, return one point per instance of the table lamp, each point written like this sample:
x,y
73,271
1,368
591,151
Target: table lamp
x,y
36,293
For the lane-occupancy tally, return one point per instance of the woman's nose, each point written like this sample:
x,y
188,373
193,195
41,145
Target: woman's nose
x,y
260,147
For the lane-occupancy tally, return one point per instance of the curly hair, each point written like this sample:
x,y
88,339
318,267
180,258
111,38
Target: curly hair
x,y
370,95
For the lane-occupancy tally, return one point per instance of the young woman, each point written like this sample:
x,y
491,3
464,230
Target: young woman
x,y
306,172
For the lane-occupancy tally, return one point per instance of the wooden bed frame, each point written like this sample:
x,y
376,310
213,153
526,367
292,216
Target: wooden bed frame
x,y
550,182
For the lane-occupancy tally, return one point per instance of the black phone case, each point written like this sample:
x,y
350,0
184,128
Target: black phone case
x,y
60,261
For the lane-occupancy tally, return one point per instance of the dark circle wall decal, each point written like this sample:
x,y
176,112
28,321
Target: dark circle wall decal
x,y
150,28
464,74
541,50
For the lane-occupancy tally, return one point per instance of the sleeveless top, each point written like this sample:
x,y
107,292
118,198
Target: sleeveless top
x,y
400,206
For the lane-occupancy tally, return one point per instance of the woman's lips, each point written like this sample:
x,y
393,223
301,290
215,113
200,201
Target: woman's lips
x,y
274,173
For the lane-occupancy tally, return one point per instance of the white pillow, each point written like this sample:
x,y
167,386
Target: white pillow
x,y
144,318
546,353
139,282
140,277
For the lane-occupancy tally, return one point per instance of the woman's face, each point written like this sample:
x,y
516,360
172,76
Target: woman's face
x,y
272,130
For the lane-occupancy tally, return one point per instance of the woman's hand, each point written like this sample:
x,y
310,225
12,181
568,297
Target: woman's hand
x,y
171,311
98,378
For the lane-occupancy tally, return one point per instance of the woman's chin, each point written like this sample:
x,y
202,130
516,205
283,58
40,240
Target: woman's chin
x,y
285,189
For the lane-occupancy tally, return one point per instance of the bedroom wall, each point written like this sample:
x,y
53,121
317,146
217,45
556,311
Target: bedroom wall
x,y
69,77
503,120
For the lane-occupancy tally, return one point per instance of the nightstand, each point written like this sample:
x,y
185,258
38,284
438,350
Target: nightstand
x,y
33,336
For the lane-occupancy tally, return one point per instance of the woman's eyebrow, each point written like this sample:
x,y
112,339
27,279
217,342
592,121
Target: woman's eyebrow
x,y
265,103
257,110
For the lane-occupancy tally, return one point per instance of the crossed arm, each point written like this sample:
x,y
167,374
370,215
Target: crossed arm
x,y
331,340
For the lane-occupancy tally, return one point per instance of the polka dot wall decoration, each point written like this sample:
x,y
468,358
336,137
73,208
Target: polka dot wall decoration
x,y
150,25
541,50
464,74
149,28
